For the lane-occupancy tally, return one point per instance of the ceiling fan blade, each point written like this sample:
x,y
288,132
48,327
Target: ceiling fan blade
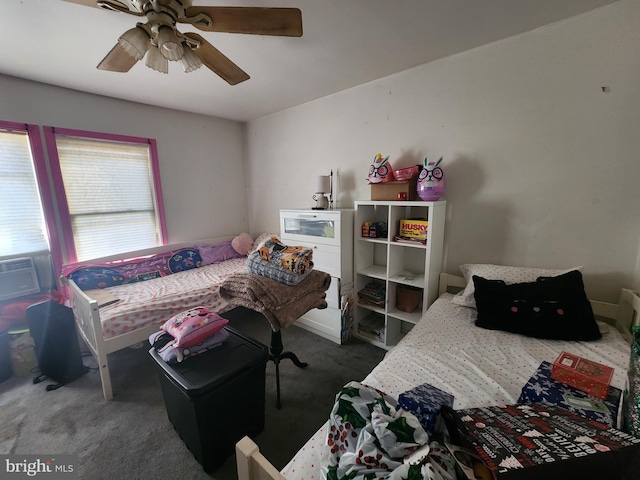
x,y
117,60
253,20
86,3
217,62
125,6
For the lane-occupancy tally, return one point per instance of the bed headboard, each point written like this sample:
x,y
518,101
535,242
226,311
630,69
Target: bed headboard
x,y
451,283
623,315
627,312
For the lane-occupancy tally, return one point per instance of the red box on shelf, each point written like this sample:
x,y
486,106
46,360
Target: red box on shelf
x,y
586,375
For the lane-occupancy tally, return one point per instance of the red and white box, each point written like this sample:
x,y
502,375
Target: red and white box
x,y
583,374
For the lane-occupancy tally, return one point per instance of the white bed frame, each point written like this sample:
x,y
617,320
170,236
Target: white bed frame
x,y
252,465
87,313
623,315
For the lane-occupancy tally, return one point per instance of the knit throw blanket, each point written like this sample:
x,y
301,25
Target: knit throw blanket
x,y
281,304
257,265
272,255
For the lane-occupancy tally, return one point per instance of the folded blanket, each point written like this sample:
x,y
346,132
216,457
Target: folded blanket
x,y
281,304
165,345
294,259
259,266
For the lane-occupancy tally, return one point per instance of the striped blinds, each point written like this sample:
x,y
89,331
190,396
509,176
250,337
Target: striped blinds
x,y
22,227
110,195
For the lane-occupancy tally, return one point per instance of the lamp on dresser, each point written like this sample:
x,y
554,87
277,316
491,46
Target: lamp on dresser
x,y
324,188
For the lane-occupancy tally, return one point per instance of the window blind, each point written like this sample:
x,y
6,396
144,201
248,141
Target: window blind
x,y
22,227
109,191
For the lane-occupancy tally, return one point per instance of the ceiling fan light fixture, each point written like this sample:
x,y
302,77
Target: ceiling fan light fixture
x,y
135,42
156,61
168,44
190,61
160,40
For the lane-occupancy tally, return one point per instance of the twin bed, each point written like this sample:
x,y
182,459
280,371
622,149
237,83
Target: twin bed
x,y
143,306
479,367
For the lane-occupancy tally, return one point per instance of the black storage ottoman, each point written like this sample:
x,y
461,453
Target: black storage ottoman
x,y
216,398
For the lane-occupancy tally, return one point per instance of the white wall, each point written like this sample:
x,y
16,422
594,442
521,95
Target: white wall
x,y
541,165
201,158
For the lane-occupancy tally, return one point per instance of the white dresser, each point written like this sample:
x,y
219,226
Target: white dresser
x,y
330,234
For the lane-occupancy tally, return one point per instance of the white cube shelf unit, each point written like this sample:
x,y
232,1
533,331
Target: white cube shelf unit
x,y
390,264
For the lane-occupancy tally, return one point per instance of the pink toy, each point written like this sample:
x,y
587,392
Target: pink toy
x,y
193,326
242,243
431,181
380,170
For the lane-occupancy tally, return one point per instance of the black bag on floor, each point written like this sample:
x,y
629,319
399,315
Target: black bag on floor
x,y
53,329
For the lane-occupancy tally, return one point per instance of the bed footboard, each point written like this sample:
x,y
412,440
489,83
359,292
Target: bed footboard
x,y
89,326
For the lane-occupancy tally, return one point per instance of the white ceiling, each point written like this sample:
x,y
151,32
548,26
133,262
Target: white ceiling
x,y
345,43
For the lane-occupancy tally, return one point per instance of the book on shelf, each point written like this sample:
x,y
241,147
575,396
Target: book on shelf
x,y
372,326
368,301
378,337
411,240
373,293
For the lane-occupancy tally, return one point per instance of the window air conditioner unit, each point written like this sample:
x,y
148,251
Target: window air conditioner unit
x,y
17,277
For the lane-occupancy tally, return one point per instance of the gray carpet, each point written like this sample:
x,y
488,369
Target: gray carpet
x,y
131,437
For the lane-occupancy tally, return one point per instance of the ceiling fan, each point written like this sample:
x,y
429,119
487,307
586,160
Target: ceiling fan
x,y
161,41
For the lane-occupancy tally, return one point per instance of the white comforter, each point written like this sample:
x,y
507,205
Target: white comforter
x,y
479,367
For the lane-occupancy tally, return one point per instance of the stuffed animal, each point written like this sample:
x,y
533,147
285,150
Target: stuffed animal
x,y
242,243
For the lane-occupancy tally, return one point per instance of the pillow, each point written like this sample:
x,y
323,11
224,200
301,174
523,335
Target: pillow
x,y
159,265
193,326
260,239
242,243
499,272
551,307
184,259
89,278
216,253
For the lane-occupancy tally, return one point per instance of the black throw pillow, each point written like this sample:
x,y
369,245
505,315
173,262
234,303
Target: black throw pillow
x,y
551,307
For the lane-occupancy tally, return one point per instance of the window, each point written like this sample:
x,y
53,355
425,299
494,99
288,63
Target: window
x,y
108,192
22,225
